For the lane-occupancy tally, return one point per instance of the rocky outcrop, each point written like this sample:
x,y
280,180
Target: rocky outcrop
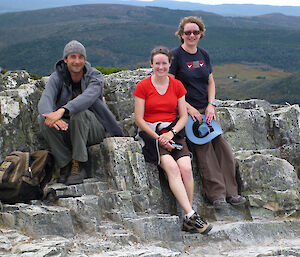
x,y
19,128
126,203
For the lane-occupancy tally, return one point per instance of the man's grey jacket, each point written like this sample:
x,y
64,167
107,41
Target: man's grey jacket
x,y
58,94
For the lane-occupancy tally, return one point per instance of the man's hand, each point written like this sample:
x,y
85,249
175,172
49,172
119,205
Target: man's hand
x,y
61,124
53,119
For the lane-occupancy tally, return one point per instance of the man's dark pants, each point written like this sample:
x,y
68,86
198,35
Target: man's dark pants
x,y
84,130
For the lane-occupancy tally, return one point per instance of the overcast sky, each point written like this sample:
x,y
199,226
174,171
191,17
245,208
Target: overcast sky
x,y
266,2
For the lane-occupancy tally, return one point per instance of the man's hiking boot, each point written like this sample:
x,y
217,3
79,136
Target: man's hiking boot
x,y
64,173
196,224
236,200
77,174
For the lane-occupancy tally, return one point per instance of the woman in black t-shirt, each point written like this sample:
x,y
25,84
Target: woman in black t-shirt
x,y
191,65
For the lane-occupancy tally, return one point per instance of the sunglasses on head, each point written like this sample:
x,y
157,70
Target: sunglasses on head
x,y
189,32
160,50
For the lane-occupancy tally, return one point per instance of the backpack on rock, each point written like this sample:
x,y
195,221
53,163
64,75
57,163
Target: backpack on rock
x,y
24,175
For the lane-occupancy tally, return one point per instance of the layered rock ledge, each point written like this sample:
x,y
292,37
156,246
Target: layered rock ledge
x,y
126,208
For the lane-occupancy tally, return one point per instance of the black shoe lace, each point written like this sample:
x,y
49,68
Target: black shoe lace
x,y
200,221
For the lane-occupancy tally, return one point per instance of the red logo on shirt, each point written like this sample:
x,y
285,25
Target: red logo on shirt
x,y
202,63
189,65
195,64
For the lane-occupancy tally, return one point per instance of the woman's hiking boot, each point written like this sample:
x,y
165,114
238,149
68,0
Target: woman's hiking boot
x,y
196,224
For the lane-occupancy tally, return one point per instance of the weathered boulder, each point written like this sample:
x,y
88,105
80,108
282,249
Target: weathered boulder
x,y
160,227
285,125
19,129
14,243
244,129
118,91
125,167
38,220
291,154
269,182
247,104
86,211
14,79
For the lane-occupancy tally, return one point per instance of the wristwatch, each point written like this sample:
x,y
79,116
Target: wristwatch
x,y
174,131
212,102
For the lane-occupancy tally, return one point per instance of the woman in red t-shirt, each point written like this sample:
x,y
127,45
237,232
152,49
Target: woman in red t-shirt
x,y
158,100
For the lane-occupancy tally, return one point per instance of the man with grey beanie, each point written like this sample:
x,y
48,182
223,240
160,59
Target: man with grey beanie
x,y
73,115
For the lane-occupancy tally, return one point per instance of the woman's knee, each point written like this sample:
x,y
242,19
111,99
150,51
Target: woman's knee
x,y
186,172
185,165
170,167
176,173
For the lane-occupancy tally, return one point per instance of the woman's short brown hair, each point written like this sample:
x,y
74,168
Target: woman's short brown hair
x,y
161,50
190,19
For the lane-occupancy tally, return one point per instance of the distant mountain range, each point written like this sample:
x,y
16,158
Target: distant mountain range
x,y
223,9
123,35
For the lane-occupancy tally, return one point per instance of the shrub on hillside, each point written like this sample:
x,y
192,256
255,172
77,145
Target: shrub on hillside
x,y
108,70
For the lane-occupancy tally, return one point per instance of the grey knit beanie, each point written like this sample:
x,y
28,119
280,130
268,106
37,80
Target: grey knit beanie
x,y
74,47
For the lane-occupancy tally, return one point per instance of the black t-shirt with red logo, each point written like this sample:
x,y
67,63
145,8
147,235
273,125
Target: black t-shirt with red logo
x,y
193,71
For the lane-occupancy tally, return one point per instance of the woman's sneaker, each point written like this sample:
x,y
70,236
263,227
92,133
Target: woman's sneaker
x,y
196,224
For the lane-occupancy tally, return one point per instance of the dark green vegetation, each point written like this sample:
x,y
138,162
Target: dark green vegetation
x,y
122,36
108,70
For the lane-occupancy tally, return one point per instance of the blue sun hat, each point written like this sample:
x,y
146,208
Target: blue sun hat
x,y
202,132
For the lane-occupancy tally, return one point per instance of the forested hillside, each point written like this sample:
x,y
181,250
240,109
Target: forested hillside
x,y
122,36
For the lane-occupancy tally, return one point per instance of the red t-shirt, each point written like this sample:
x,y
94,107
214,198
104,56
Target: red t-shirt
x,y
160,107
